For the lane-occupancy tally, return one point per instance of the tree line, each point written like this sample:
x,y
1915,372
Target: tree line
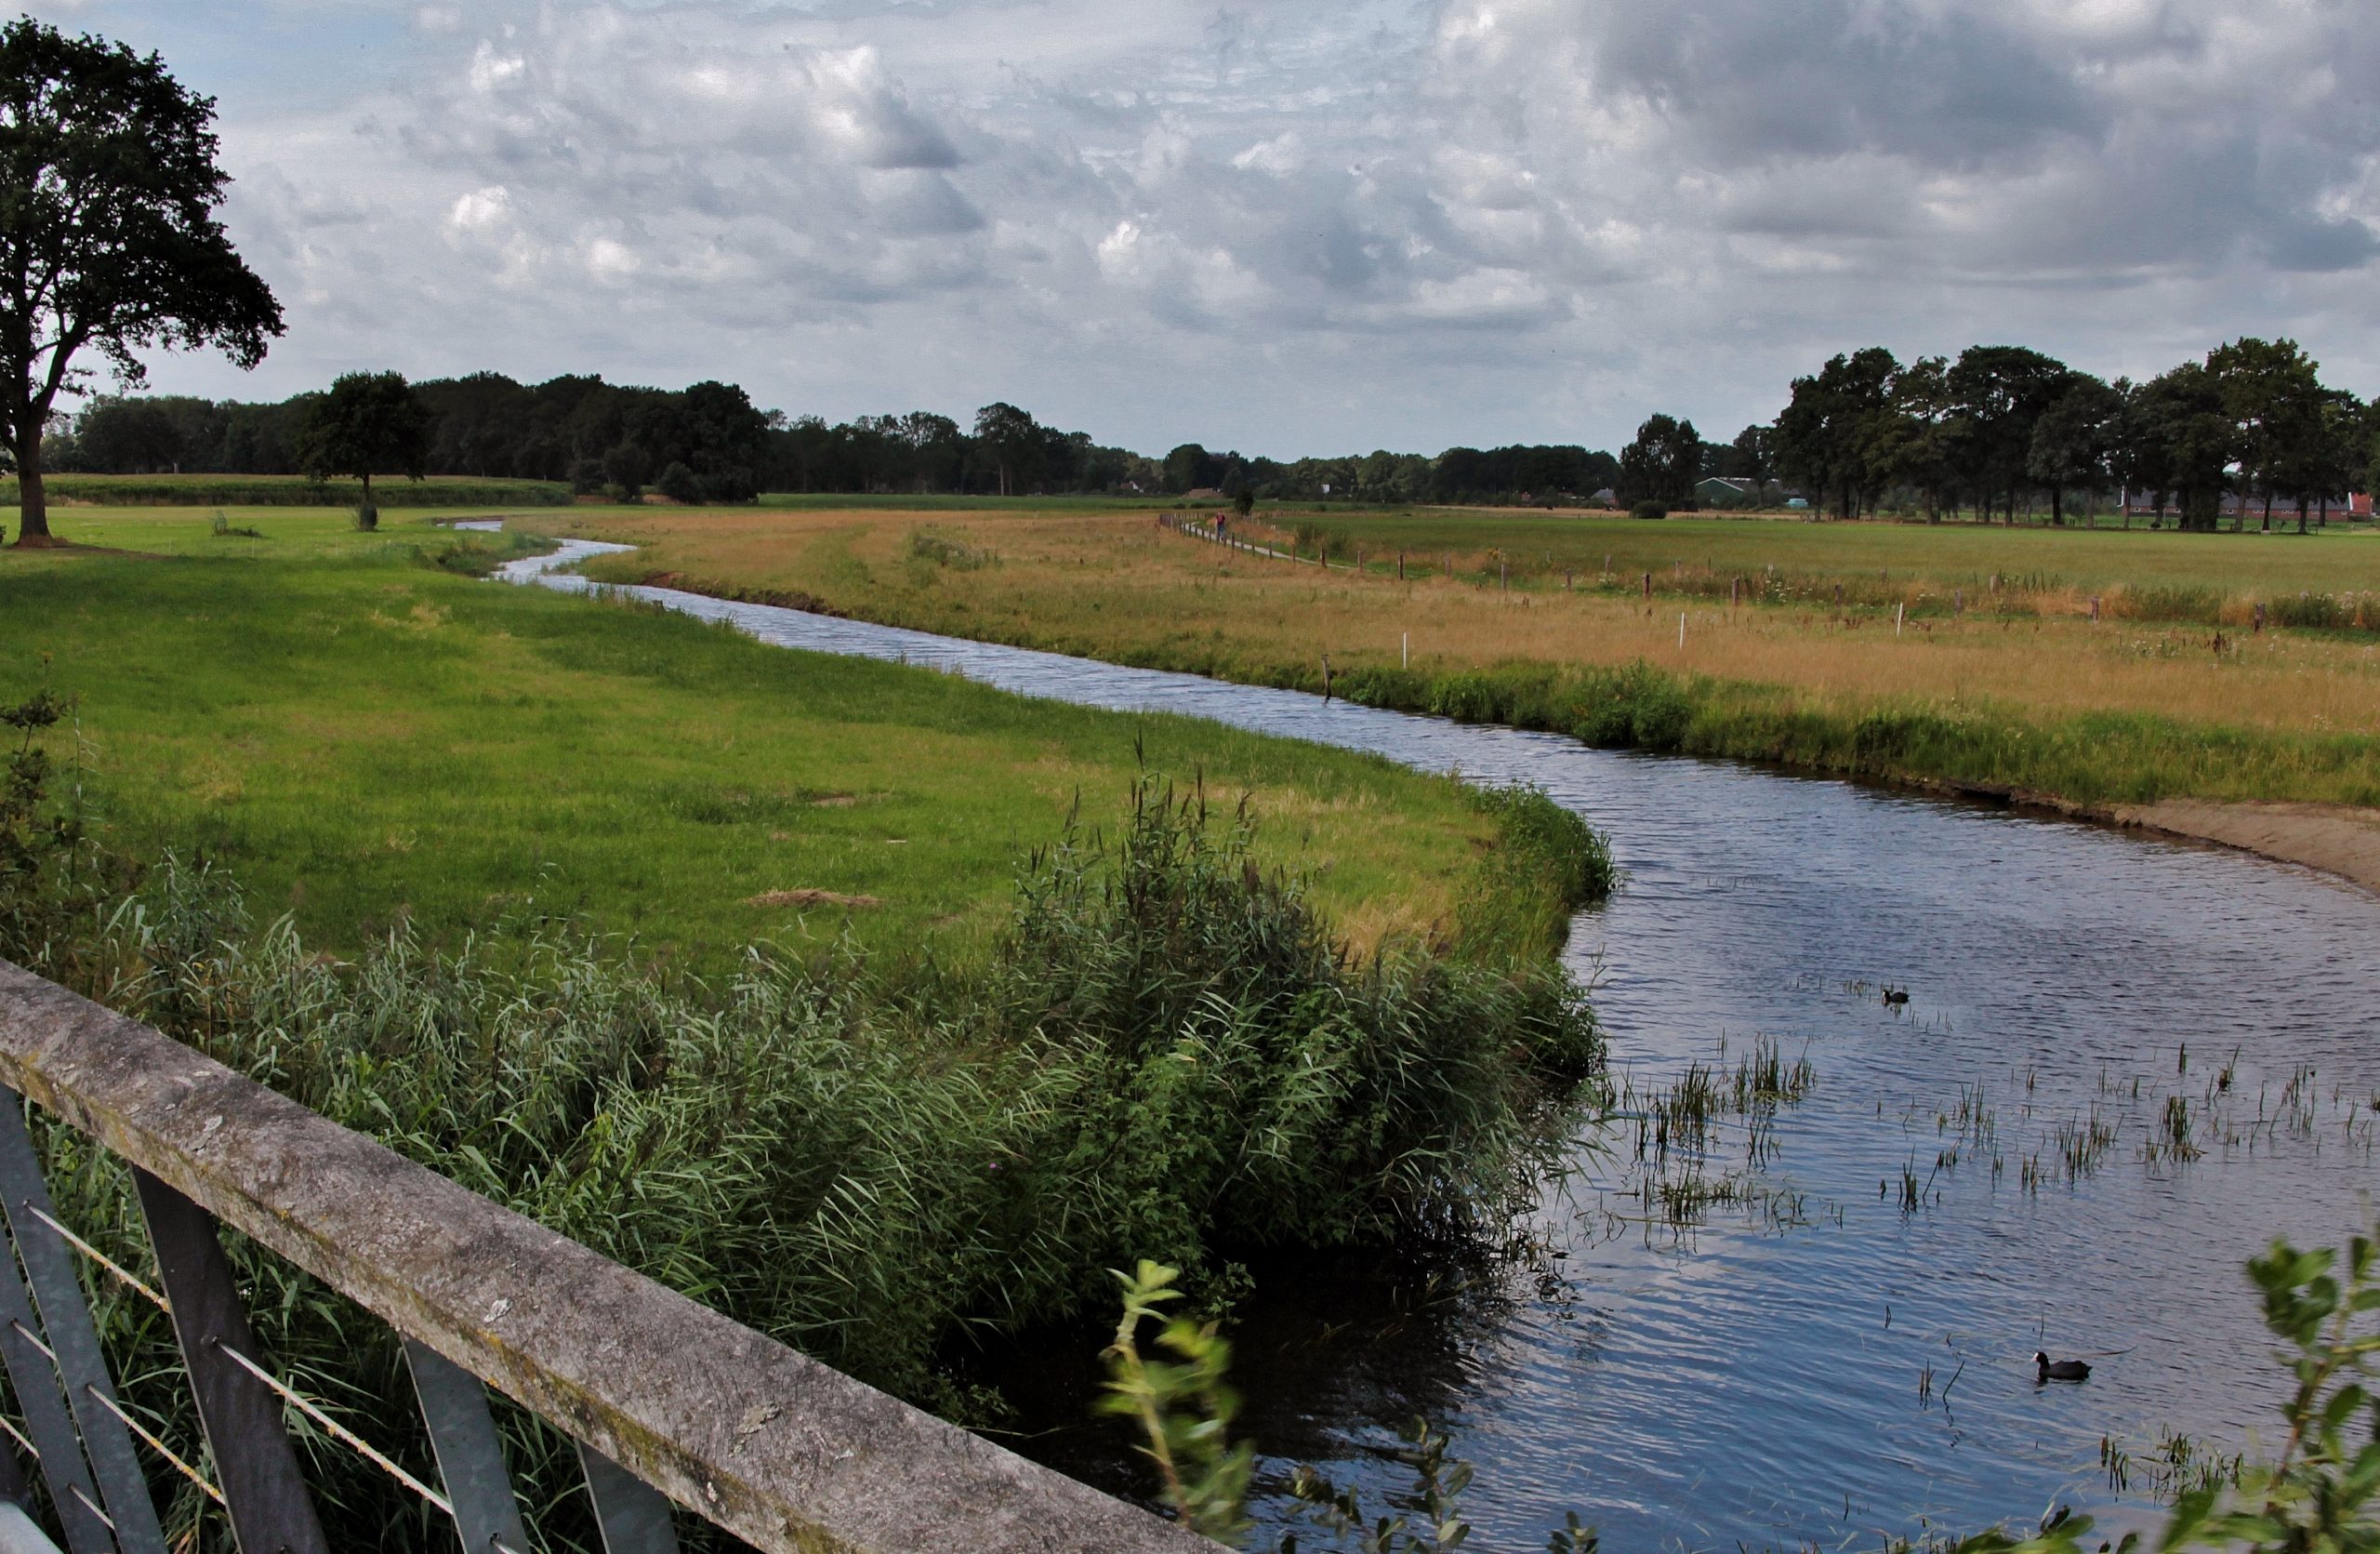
x,y
709,442
2000,426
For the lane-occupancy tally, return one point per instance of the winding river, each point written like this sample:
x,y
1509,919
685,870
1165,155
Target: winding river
x,y
1813,1327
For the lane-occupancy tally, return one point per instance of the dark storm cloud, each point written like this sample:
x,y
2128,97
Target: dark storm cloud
x,y
1304,224
1756,81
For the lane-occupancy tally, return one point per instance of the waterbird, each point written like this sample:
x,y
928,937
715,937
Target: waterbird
x,y
1896,995
2059,1370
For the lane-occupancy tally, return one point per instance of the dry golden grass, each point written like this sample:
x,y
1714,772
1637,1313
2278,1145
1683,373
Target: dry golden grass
x,y
1119,587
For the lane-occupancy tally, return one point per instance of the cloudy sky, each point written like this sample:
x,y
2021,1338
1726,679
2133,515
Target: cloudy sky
x,y
1287,227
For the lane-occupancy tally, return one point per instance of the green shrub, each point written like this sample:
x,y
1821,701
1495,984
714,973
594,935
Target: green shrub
x,y
2316,610
2170,602
1578,857
1635,705
1472,697
679,484
942,550
1648,509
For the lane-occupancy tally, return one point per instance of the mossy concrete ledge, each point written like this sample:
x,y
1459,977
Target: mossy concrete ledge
x,y
784,1452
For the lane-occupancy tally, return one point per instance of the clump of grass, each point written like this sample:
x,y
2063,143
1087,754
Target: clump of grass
x,y
1564,864
941,550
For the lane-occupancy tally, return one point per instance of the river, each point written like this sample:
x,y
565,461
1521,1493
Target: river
x,y
1833,1346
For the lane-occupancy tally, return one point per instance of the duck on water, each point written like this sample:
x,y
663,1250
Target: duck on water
x,y
2047,1369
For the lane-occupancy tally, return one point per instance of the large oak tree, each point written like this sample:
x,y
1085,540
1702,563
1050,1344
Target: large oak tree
x,y
107,237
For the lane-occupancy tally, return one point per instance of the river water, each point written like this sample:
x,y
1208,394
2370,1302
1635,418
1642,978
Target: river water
x,y
1837,1350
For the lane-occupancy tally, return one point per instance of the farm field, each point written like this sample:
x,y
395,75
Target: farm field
x,y
359,733
2018,689
2056,569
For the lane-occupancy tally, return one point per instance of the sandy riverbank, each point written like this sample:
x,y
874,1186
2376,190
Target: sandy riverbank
x,y
2335,837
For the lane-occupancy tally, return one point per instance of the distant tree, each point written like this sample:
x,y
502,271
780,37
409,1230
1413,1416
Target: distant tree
x,y
1011,440
2184,414
679,484
1826,434
1998,394
107,237
122,436
1755,455
2073,441
2138,456
369,423
2273,393
628,466
586,477
1189,467
2333,461
1923,424
1663,462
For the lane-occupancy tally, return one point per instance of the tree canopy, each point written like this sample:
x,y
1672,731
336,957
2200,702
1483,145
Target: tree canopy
x,y
370,423
109,243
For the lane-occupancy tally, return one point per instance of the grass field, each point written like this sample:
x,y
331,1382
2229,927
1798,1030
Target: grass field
x,y
2042,570
358,733
2017,689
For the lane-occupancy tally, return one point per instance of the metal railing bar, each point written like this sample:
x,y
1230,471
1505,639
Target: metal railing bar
x,y
630,1515
26,1334
243,1425
470,1455
116,1470
338,1432
185,1470
42,1396
87,1250
88,1505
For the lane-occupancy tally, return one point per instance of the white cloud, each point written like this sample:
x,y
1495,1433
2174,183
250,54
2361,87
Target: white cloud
x,y
1535,218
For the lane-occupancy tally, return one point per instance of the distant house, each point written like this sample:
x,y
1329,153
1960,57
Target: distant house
x,y
1726,491
1606,498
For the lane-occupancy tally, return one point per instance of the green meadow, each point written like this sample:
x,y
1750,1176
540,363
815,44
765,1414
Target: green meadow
x,y
360,730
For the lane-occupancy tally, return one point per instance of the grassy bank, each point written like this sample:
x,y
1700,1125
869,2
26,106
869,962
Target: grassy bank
x,y
2014,697
362,736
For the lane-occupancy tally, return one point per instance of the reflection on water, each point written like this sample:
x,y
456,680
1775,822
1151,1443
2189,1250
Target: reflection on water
x,y
1994,1166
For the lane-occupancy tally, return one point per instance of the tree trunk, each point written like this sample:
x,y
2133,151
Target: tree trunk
x,y
2057,506
2266,526
33,503
2301,512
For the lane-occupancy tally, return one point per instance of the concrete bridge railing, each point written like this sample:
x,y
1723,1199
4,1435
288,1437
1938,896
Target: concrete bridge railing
x,y
675,1410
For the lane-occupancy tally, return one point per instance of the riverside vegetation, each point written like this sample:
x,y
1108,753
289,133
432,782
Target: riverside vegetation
x,y
1162,1045
1957,655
